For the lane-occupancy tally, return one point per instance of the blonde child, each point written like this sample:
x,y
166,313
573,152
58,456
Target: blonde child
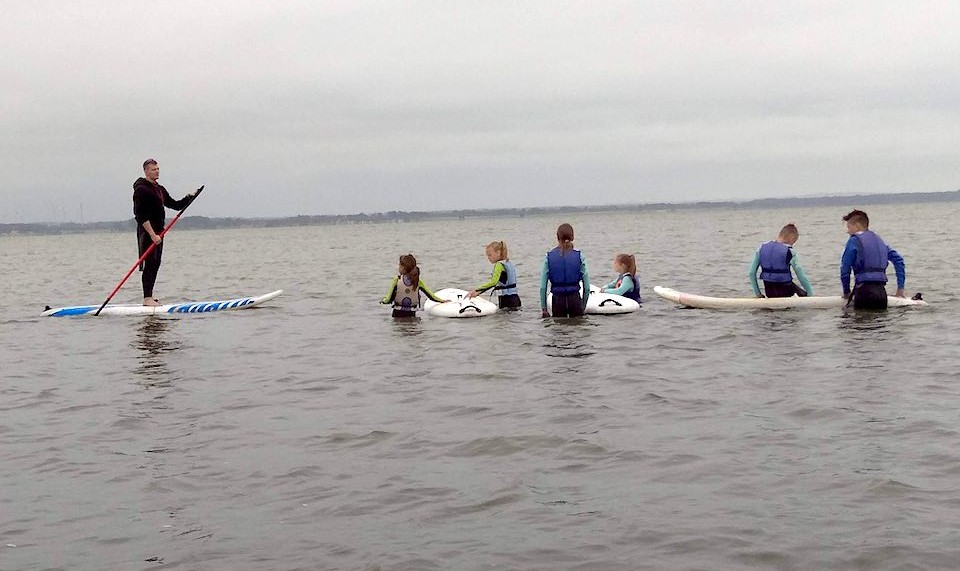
x,y
775,260
504,277
406,287
626,283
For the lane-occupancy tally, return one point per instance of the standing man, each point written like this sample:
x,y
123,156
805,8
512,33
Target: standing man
x,y
867,255
149,199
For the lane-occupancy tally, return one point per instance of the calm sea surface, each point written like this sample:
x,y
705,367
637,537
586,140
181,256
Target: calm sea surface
x,y
315,432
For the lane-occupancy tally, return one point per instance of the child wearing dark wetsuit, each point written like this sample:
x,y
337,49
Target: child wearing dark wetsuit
x,y
565,269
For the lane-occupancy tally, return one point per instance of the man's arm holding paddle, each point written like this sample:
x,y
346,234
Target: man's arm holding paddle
x,y
168,202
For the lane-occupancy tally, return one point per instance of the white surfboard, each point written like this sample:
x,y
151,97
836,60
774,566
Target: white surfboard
x,y
167,309
707,302
459,305
603,303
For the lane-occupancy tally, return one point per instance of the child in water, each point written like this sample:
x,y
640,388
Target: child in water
x,y
504,278
626,283
406,287
867,256
565,268
775,259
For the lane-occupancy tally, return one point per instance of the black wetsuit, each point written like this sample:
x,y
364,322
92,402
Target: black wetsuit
x,y
510,301
869,295
149,200
789,289
567,304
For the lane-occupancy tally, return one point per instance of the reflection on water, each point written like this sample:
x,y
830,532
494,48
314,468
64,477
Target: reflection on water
x,y
407,325
151,340
868,320
779,320
568,337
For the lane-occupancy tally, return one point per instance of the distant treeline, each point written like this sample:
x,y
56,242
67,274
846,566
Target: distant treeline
x,y
204,222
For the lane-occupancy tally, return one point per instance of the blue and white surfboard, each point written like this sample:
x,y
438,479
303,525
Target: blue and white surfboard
x,y
172,308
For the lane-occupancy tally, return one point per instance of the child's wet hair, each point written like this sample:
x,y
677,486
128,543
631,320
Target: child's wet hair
x,y
629,262
500,247
409,265
565,236
858,217
789,231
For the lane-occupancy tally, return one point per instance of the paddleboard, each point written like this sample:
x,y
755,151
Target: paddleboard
x,y
459,305
603,303
172,308
707,302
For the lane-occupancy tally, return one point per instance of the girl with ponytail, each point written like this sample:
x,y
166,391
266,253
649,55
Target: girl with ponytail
x,y
504,278
626,283
406,287
565,269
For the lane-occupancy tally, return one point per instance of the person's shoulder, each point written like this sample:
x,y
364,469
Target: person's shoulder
x,y
141,183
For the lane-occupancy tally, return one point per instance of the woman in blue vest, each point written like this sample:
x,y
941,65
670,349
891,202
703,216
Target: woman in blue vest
x,y
775,260
566,269
626,283
504,278
867,255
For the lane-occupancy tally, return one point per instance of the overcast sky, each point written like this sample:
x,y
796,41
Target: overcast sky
x,y
285,108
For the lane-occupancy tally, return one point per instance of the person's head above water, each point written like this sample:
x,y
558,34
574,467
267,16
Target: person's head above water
x,y
497,251
625,264
789,234
857,221
151,170
409,270
565,236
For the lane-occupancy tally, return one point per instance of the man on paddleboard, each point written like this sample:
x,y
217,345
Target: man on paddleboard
x,y
149,200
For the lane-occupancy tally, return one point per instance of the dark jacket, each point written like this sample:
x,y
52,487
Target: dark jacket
x,y
149,200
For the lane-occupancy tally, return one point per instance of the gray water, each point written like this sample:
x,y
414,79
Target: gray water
x,y
314,432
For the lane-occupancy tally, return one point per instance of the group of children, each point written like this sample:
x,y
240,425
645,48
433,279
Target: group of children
x,y
564,273
865,254
564,269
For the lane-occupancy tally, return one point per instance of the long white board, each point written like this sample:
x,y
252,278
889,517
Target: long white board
x,y
171,308
707,302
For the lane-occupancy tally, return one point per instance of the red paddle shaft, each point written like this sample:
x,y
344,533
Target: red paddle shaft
x,y
147,252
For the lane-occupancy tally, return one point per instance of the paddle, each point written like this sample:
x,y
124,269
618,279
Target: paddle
x,y
147,252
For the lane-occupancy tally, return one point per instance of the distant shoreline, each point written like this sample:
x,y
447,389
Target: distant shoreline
x,y
203,222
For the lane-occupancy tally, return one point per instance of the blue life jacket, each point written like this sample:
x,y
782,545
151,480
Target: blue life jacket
x,y
510,286
564,270
775,262
871,262
633,294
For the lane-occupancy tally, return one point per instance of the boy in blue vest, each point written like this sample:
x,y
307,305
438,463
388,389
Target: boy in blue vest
x,y
776,259
867,255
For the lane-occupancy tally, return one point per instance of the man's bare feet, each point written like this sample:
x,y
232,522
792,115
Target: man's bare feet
x,y
151,301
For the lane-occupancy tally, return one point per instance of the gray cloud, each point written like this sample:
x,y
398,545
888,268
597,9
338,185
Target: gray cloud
x,y
336,107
